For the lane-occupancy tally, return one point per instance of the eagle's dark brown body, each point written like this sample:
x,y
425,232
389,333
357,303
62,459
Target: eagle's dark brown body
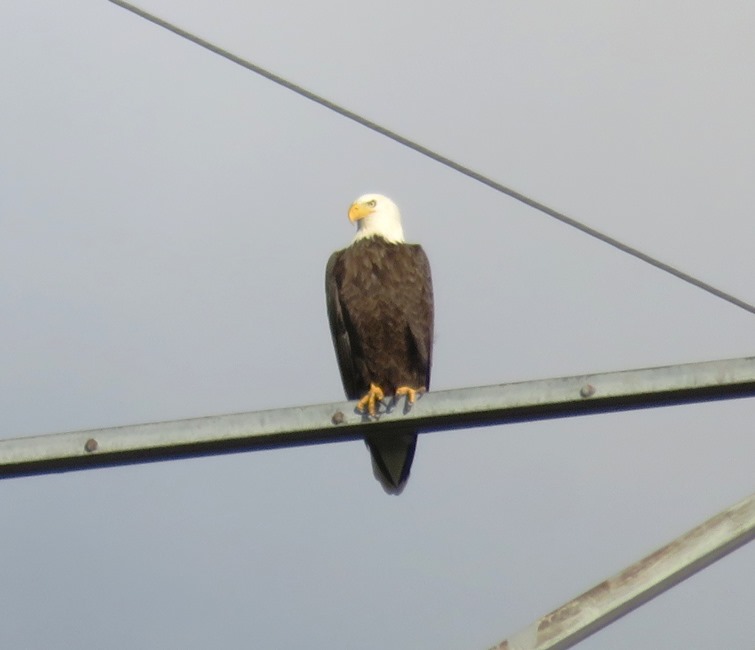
x,y
380,306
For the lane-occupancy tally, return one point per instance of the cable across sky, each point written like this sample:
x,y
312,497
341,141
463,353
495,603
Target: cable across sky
x,y
443,160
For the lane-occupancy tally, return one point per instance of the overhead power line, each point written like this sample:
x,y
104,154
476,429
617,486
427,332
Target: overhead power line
x,y
443,160
436,411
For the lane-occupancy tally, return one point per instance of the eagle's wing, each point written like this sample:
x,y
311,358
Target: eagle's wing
x,y
421,316
338,331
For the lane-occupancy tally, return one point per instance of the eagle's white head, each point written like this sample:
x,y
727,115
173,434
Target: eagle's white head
x,y
376,214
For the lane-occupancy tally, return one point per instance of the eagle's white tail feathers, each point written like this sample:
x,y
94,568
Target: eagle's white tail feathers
x,y
392,459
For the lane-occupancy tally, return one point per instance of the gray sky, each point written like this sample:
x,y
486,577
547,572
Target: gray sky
x,y
166,217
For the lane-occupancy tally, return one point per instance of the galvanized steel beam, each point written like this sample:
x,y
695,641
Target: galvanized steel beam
x,y
441,410
636,585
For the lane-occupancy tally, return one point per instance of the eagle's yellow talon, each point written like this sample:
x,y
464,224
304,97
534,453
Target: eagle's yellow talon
x,y
371,400
411,393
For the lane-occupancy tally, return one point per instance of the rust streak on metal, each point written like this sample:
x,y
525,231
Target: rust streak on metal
x,y
640,582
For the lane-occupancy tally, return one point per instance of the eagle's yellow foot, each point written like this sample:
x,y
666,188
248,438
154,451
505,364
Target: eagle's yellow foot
x,y
373,397
411,393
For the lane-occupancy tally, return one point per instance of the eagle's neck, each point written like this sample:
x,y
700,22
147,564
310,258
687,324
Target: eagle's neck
x,y
388,229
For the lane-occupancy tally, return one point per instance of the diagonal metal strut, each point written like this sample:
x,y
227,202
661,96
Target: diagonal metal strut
x,y
436,411
639,583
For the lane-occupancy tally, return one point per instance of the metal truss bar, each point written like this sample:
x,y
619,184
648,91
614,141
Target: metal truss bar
x,y
441,410
636,585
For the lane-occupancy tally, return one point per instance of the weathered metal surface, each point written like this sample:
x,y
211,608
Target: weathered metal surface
x,y
636,585
531,400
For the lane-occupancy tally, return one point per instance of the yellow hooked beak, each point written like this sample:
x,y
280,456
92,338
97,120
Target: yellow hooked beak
x,y
359,211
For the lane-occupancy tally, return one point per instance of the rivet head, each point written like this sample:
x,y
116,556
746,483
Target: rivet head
x,y
588,390
91,445
338,418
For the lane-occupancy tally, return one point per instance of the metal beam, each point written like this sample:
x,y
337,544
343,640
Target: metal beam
x,y
441,410
636,585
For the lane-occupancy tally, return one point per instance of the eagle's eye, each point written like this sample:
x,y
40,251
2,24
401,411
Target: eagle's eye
x,y
372,203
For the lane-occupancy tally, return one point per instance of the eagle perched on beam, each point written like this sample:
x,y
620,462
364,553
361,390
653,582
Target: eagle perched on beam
x,y
380,306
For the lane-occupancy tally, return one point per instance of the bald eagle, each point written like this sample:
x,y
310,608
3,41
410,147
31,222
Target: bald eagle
x,y
380,306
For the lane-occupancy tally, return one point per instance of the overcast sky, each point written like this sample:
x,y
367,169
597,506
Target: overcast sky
x,y
165,220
